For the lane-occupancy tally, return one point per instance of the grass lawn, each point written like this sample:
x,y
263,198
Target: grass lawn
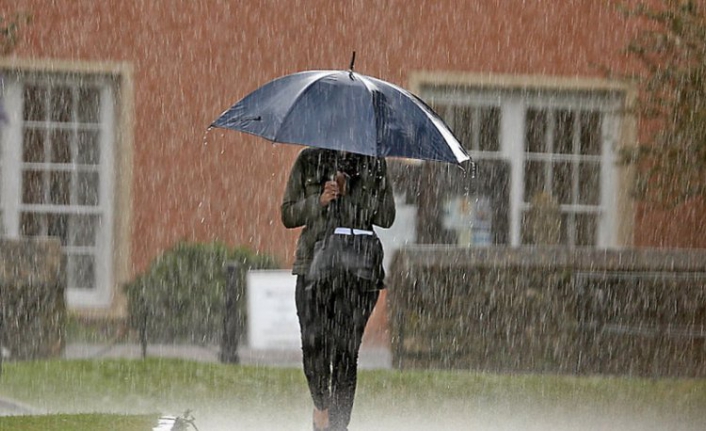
x,y
78,422
230,397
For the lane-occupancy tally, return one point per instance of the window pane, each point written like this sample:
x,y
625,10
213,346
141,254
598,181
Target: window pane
x,y
82,271
590,133
60,187
534,179
83,230
60,104
88,105
589,183
586,229
536,131
87,188
561,182
463,125
88,148
33,146
34,103
57,226
31,224
32,187
543,225
489,129
61,146
564,132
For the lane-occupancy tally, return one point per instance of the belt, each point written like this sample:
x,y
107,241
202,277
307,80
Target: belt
x,y
349,231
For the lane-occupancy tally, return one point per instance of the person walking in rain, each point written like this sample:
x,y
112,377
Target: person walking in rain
x,y
352,193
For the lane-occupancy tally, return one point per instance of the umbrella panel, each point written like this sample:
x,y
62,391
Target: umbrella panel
x,y
344,111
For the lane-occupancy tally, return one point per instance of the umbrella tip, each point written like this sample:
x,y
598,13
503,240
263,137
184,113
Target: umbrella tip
x,y
350,69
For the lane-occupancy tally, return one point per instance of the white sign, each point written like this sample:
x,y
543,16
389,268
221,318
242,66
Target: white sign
x,y
401,233
272,312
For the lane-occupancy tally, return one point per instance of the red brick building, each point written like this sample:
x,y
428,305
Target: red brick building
x,y
108,105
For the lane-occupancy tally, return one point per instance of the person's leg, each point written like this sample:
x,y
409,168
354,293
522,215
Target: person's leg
x,y
352,309
313,311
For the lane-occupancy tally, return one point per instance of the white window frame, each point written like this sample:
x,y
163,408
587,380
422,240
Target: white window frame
x,y
514,95
102,293
607,106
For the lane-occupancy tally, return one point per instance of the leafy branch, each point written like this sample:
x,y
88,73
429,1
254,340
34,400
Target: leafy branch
x,y
9,31
671,49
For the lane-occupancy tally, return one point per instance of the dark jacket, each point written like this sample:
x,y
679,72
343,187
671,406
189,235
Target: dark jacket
x,y
369,200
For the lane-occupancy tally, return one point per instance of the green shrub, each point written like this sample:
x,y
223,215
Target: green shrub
x,y
180,298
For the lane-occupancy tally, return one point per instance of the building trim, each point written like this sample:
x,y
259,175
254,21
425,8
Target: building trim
x,y
418,79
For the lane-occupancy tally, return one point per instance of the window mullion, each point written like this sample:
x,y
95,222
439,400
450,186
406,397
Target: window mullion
x,y
608,202
512,126
46,180
549,142
575,144
576,139
475,128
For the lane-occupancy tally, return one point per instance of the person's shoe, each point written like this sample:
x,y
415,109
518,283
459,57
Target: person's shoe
x,y
320,419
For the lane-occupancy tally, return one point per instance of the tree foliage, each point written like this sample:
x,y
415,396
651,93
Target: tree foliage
x,y
671,48
9,31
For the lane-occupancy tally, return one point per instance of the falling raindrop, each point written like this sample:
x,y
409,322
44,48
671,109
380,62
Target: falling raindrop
x,y
205,135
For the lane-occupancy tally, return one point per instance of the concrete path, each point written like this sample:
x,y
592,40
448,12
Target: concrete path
x,y
372,357
9,407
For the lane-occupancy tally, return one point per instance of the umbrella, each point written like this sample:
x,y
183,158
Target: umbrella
x,y
345,111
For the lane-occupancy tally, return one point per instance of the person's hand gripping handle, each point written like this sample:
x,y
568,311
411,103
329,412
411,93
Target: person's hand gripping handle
x,y
333,189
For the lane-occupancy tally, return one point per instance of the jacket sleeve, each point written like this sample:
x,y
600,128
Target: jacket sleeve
x,y
298,209
385,215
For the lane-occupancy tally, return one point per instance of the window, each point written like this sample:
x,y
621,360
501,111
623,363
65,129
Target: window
x,y
539,151
562,159
58,174
473,214
478,127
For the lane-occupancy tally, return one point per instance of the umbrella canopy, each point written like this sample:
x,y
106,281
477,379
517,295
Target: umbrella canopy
x,y
346,111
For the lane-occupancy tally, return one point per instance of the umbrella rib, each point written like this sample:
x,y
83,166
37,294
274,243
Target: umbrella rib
x,y
447,134
370,86
440,125
442,128
299,94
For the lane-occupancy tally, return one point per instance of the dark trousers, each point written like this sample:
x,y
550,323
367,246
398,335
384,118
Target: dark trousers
x,y
332,318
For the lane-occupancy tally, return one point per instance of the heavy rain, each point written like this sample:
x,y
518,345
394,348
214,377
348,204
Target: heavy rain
x,y
533,170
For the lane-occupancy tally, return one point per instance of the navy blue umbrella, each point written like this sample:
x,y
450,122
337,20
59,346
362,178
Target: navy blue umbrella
x,y
347,111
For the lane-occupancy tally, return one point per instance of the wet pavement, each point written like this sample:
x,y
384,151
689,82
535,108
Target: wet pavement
x,y
370,357
9,407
